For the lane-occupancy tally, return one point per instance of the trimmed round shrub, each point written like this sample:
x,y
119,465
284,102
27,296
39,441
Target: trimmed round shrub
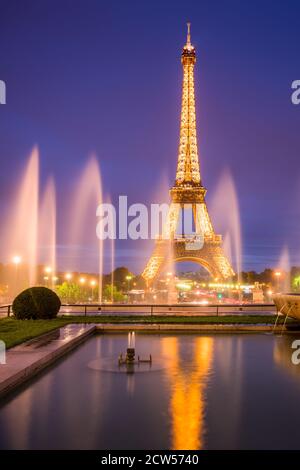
x,y
36,303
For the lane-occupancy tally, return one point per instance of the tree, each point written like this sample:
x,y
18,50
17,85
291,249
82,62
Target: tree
x,y
120,278
69,292
111,293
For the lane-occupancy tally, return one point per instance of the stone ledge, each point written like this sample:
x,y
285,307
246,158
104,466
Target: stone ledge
x,y
27,359
156,327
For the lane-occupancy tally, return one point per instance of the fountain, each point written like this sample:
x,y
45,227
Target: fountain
x,y
287,304
128,363
47,232
284,271
111,241
226,215
129,359
172,292
21,228
88,195
29,235
227,246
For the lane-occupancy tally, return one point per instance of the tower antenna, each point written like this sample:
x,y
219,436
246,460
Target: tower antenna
x,y
188,39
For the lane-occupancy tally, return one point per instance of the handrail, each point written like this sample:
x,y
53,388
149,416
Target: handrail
x,y
152,307
8,307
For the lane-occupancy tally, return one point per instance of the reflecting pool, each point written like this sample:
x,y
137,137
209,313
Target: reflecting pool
x,y
203,392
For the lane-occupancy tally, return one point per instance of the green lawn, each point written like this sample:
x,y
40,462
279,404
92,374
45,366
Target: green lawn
x,y
14,332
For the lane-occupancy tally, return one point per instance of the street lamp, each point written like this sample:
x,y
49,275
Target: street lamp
x,y
68,276
128,278
278,274
16,260
48,269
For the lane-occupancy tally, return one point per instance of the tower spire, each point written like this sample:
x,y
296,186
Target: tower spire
x,y
188,38
188,164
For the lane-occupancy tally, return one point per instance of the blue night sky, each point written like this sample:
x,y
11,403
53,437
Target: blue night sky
x,y
105,77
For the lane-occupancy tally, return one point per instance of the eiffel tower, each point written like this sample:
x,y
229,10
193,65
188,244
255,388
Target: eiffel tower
x,y
204,246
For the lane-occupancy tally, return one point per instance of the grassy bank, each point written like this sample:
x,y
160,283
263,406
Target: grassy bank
x,y
14,332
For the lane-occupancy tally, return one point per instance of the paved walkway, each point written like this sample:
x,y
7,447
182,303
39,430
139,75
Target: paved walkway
x,y
29,358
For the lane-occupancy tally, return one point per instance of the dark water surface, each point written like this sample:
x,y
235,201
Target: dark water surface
x,y
204,392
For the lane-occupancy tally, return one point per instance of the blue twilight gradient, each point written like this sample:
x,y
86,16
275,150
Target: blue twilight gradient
x,y
105,76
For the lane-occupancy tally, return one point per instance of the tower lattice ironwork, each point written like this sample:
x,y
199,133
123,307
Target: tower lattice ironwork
x,y
203,246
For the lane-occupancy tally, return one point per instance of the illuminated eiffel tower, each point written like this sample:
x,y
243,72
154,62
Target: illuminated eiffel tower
x,y
204,246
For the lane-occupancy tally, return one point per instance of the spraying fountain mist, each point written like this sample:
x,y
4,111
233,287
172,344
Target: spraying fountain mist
x,y
21,237
285,270
88,195
225,214
47,232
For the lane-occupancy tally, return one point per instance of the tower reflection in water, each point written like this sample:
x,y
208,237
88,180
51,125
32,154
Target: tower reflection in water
x,y
187,389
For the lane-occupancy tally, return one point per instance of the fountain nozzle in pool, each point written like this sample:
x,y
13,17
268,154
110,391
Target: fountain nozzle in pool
x,y
130,353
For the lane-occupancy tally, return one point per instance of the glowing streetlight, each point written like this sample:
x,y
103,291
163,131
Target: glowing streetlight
x,y
128,278
16,260
54,278
277,275
68,276
82,282
48,269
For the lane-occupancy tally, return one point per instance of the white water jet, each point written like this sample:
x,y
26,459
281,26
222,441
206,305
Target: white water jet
x,y
284,270
227,247
47,231
88,195
226,218
20,240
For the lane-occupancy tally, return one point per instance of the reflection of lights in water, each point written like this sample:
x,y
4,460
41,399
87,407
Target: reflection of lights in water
x,y
187,392
130,384
98,347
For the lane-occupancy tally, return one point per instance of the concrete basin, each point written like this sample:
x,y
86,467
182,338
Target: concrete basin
x,y
288,304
